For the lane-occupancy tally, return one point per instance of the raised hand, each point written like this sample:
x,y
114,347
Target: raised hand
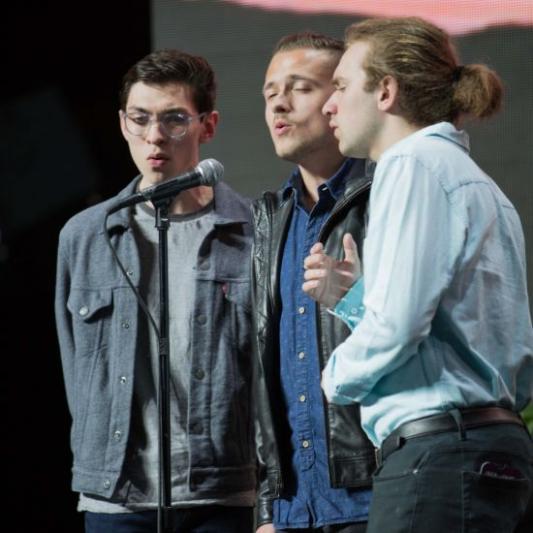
x,y
328,280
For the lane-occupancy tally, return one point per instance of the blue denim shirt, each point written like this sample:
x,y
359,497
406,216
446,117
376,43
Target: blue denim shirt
x,y
309,499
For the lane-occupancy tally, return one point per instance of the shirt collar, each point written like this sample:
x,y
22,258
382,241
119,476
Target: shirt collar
x,y
335,184
227,209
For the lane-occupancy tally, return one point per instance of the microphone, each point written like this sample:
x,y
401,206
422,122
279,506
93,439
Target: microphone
x,y
207,172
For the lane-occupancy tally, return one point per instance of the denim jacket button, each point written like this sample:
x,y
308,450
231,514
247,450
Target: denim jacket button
x,y
199,373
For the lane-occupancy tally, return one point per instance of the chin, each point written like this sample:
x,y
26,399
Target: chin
x,y
350,151
282,152
155,177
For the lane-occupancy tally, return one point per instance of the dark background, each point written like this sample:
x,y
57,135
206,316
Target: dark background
x,y
61,150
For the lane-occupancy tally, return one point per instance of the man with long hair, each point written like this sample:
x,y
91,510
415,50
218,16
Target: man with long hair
x,y
441,353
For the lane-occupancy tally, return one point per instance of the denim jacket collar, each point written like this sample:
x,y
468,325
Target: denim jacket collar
x,y
225,210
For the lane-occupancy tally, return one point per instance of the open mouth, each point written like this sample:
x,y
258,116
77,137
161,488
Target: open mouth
x,y
280,127
157,160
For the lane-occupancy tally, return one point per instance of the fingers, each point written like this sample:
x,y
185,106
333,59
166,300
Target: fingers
x,y
311,285
315,273
317,248
315,260
350,248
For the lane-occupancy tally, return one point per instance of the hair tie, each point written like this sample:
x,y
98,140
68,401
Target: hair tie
x,y
457,73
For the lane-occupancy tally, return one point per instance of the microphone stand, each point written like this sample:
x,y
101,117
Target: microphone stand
x,y
164,524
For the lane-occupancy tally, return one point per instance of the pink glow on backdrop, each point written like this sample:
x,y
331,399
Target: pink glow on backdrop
x,y
455,16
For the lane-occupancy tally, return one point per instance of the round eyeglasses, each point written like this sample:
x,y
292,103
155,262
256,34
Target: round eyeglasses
x,y
173,124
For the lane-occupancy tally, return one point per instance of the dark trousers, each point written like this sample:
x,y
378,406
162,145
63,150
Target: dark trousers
x,y
480,481
204,519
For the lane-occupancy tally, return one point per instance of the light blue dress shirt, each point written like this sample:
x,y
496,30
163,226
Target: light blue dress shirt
x,y
441,315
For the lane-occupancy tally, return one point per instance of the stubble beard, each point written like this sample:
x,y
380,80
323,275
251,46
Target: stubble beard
x,y
298,150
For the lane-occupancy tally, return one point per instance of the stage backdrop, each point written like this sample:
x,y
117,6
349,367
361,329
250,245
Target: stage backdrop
x,y
237,37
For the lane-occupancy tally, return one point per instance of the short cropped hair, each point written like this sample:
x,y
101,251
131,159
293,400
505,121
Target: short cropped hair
x,y
173,66
309,39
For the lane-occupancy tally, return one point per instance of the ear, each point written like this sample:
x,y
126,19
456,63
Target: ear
x,y
209,127
123,129
387,94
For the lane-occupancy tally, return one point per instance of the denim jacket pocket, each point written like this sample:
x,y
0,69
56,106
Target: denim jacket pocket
x,y
91,311
238,292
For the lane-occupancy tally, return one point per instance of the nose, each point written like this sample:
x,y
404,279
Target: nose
x,y
280,103
154,133
330,107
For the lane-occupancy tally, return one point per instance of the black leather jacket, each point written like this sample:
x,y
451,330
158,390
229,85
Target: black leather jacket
x,y
350,453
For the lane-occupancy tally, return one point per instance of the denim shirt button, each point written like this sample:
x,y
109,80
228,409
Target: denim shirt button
x,y
201,319
305,444
117,435
199,373
84,311
107,484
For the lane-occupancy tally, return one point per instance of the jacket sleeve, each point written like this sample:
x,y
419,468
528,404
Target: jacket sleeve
x,y
265,495
64,321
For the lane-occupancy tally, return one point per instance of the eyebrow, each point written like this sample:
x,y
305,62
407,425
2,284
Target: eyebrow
x,y
292,78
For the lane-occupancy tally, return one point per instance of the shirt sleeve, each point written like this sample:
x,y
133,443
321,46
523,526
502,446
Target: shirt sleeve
x,y
414,239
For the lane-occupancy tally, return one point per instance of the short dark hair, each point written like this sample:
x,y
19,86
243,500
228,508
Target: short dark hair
x,y
173,66
309,39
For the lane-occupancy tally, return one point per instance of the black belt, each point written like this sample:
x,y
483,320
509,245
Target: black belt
x,y
468,418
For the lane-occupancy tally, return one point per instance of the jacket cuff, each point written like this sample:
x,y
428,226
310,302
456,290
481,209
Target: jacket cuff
x,y
264,511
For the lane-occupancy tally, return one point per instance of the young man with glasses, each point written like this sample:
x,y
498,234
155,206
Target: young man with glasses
x,y
109,351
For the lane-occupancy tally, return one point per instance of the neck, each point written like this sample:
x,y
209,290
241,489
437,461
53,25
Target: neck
x,y
315,173
191,200
395,129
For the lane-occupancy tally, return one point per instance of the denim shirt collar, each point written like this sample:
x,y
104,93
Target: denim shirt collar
x,y
334,185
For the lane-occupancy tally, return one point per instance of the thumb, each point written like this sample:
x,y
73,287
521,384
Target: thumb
x,y
350,248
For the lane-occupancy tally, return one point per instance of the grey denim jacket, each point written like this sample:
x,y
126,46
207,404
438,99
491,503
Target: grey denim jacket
x,y
97,318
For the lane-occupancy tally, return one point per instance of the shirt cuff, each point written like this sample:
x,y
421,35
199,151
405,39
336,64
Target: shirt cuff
x,y
350,308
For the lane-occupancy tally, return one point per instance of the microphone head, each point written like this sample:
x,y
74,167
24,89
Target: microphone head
x,y
211,171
